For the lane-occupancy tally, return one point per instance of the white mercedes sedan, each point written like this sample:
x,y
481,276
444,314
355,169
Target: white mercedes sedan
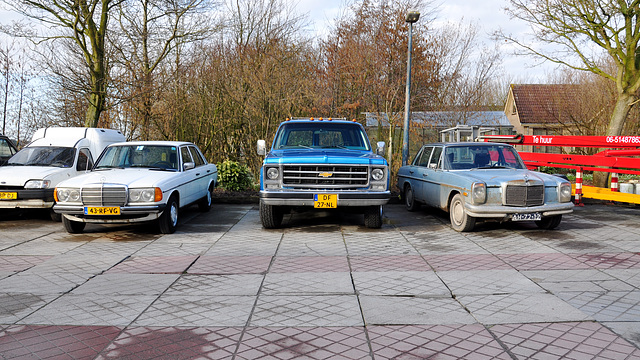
x,y
136,182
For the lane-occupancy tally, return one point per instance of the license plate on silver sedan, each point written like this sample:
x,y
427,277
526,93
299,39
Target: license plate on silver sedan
x,y
526,217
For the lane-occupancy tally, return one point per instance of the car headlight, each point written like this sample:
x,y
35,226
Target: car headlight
x,y
142,195
67,195
565,192
273,173
479,193
377,174
37,184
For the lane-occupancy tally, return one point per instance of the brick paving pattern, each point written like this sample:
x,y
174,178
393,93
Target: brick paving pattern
x,y
323,287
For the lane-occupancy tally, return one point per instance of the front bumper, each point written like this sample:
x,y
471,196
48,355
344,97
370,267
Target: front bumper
x,y
128,214
500,211
29,199
305,198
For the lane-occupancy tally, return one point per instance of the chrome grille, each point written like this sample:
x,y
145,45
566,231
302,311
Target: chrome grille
x,y
325,176
104,195
518,195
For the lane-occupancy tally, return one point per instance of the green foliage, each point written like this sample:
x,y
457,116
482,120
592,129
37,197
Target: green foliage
x,y
234,176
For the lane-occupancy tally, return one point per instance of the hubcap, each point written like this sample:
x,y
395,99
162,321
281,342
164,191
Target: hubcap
x,y
174,214
457,211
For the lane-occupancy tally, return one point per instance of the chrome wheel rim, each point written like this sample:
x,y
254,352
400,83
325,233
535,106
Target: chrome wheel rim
x,y
174,214
457,212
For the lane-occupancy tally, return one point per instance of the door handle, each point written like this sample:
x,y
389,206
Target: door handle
x,y
197,174
425,174
410,171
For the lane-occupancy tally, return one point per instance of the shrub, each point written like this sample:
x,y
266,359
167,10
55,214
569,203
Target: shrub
x,y
234,176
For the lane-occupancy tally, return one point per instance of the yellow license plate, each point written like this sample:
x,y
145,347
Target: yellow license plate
x,y
8,195
102,210
325,201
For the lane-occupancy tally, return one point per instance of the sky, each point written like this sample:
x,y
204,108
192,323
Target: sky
x,y
487,14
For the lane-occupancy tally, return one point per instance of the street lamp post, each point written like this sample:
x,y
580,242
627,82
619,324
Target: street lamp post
x,y
412,16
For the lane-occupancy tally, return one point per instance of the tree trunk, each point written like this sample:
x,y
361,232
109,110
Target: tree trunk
x,y
96,103
623,106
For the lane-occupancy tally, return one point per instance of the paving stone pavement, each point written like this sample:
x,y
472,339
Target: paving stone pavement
x,y
322,287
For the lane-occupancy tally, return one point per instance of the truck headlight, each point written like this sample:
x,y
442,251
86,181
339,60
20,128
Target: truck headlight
x,y
377,174
479,193
142,195
273,173
67,195
37,184
565,192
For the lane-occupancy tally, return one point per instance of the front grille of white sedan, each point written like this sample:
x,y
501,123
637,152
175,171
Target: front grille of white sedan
x,y
104,195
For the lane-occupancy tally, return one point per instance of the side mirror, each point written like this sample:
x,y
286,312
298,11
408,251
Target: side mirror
x,y
262,148
380,149
188,166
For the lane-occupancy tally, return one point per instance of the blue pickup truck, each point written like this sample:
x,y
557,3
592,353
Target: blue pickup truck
x,y
323,164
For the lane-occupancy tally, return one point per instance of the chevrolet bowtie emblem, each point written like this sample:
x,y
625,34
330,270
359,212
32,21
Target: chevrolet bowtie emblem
x,y
325,174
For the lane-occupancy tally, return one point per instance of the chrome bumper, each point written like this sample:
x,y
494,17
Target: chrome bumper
x,y
500,211
305,198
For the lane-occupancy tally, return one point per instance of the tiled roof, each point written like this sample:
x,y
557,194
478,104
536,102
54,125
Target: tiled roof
x,y
544,103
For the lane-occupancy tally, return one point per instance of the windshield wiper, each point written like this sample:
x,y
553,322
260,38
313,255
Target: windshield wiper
x,y
335,146
108,167
162,169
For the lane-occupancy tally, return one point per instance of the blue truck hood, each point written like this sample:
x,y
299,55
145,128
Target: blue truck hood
x,y
323,156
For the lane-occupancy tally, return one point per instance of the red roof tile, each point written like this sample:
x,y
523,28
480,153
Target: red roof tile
x,y
544,103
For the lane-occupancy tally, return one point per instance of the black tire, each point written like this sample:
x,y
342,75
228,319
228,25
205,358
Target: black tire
x,y
168,221
55,216
549,222
410,202
270,216
73,227
373,217
460,220
205,203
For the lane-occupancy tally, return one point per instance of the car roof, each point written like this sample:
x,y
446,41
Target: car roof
x,y
149,143
340,120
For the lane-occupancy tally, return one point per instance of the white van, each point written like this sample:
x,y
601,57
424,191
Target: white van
x,y
54,154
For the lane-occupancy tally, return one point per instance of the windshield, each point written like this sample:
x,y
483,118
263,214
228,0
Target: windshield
x,y
44,156
321,135
473,156
141,156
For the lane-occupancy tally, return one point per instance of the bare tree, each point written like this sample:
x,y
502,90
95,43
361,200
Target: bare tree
x,y
576,33
467,70
82,21
5,70
148,31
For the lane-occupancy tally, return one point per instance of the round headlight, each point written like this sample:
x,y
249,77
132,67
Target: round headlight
x,y
74,195
68,195
63,195
134,195
377,174
272,173
147,195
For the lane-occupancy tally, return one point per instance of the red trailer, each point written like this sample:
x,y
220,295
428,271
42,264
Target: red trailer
x,y
620,158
